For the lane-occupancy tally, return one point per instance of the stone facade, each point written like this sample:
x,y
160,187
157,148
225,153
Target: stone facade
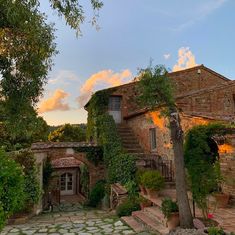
x,y
202,96
62,151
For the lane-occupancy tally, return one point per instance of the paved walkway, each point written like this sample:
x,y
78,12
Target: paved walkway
x,y
83,222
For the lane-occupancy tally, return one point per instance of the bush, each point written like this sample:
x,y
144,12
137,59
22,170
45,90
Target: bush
x,y
97,193
168,206
32,187
216,231
12,186
138,175
152,180
126,208
132,189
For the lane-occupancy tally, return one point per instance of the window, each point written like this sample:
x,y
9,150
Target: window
x,y
152,134
114,103
66,182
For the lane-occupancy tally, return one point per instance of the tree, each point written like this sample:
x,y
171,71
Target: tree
x,y
68,133
156,93
26,50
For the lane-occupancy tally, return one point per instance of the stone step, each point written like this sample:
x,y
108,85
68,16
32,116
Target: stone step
x,y
134,150
156,214
150,223
134,146
133,223
131,144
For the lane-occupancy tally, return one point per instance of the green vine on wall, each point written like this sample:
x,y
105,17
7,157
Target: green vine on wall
x,y
201,160
94,154
84,180
102,128
97,105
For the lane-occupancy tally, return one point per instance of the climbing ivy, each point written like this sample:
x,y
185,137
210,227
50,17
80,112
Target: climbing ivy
x,y
102,128
84,180
201,160
94,154
97,105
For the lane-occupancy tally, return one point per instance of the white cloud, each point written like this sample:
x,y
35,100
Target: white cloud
x,y
63,76
186,59
200,13
167,56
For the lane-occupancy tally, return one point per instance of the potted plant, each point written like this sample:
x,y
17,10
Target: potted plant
x,y
139,175
153,182
144,202
171,212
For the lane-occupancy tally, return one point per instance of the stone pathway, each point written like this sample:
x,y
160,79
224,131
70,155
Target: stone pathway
x,y
83,222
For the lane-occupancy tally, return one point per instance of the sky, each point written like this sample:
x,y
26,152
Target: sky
x,y
177,33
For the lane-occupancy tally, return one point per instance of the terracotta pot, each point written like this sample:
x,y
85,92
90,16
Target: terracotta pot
x,y
145,204
221,199
152,193
142,189
173,221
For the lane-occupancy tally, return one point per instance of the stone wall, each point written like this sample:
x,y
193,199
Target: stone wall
x,y
96,172
227,164
185,82
141,125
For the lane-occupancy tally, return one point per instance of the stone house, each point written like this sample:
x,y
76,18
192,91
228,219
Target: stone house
x,y
67,160
202,96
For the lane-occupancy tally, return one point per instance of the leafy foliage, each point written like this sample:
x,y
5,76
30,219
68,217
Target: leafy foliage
x,y
27,161
97,193
216,231
121,168
47,173
102,128
201,156
152,179
168,206
132,189
12,188
94,154
69,133
155,88
84,180
97,106
127,207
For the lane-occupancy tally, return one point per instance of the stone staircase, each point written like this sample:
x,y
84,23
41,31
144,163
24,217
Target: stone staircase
x,y
129,141
150,218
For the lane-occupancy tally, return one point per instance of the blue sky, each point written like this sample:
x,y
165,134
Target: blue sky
x,y
132,32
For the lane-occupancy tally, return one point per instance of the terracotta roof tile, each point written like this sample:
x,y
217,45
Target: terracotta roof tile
x,y
65,162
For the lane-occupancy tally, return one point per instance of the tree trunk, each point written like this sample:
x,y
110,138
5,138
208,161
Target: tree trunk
x,y
186,219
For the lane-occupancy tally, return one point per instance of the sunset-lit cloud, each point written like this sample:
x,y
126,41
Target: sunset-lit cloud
x,y
105,78
55,102
186,59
